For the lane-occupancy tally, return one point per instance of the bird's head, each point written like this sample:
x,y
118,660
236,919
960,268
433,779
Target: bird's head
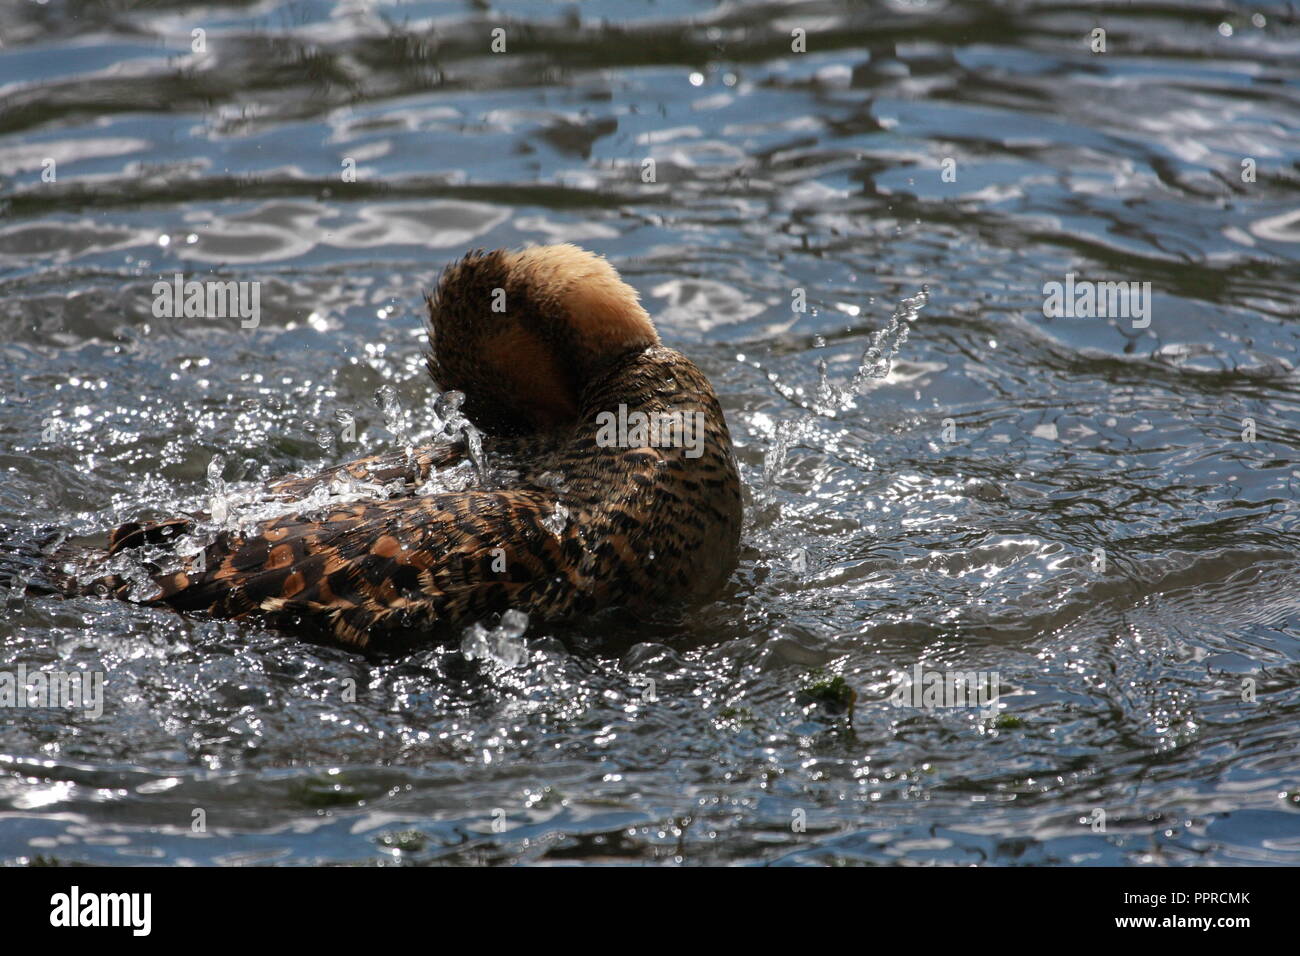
x,y
523,333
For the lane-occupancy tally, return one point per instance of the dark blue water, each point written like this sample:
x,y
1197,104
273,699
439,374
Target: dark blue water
x,y
1071,504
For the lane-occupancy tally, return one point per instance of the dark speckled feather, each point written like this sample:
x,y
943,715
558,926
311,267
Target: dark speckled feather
x,y
586,526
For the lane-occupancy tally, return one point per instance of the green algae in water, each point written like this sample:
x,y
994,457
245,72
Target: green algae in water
x,y
323,792
1008,722
834,694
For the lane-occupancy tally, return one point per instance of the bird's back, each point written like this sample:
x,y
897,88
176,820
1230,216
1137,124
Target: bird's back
x,y
636,505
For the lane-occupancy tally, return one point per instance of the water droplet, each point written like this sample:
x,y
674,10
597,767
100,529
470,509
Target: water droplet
x,y
557,520
502,645
215,469
386,399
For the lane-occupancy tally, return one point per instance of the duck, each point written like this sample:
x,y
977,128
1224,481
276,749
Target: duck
x,y
563,379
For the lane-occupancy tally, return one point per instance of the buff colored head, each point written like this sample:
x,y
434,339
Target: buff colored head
x,y
523,333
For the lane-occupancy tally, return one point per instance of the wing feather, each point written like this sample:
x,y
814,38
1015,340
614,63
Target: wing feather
x,y
377,568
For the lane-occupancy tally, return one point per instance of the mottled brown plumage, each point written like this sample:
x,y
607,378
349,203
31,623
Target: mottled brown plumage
x,y
542,342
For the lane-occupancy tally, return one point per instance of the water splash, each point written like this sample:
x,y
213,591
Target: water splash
x,y
557,520
242,507
447,422
453,426
502,645
878,358
391,408
14,593
347,423
324,438
218,502
831,399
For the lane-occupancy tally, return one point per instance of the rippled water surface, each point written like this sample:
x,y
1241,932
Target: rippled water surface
x,y
1071,503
